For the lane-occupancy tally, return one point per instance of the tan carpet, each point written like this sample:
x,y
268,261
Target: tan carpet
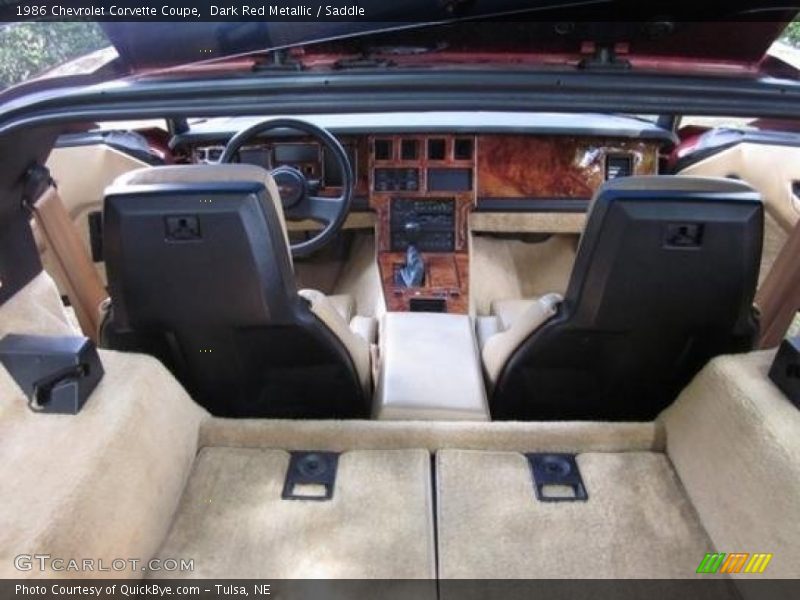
x,y
103,484
234,524
636,523
735,441
36,310
361,279
503,269
575,436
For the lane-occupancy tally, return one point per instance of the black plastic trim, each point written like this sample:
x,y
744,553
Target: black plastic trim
x,y
379,91
19,257
57,373
785,369
429,305
95,224
556,469
311,468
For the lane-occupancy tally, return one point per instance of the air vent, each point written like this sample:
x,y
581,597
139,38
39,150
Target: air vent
x,y
208,154
618,165
383,149
409,150
462,149
437,149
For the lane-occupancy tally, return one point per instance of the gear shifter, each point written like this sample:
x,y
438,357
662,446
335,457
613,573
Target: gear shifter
x,y
412,274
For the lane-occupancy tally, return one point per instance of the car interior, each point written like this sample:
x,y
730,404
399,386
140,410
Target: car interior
x,y
436,345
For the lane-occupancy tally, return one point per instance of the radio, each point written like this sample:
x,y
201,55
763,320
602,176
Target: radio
x,y
428,224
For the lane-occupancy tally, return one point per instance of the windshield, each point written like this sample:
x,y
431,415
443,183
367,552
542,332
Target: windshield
x,y
50,49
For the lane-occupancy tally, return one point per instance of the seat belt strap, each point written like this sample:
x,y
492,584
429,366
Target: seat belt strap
x,y
778,298
74,269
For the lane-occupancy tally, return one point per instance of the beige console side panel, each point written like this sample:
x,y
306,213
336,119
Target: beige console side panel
x,y
82,174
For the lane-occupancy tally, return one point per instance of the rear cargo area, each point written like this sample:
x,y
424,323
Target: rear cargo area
x,y
378,524
636,522
458,500
468,514
143,472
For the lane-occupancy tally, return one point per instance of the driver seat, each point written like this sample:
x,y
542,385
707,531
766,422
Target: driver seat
x,y
200,276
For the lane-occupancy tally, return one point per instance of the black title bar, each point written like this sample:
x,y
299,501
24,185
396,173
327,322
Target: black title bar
x,y
410,11
463,589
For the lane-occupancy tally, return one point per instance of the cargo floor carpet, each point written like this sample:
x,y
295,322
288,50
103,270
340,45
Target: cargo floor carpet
x,y
637,521
233,522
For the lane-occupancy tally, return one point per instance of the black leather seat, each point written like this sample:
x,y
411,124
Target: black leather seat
x,y
664,280
201,277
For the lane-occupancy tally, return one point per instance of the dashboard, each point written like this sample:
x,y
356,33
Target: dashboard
x,y
425,179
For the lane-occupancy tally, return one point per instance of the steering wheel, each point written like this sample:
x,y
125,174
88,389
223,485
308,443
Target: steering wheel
x,y
299,194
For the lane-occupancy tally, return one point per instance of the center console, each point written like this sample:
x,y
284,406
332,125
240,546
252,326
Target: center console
x,y
422,189
429,369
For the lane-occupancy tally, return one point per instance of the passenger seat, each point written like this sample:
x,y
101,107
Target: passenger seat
x,y
663,281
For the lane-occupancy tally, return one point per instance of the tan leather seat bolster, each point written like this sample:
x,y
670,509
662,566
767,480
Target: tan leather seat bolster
x,y
499,348
344,305
357,347
366,327
508,311
485,328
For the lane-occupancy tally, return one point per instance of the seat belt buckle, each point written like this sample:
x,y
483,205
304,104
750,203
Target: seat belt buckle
x,y
57,373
